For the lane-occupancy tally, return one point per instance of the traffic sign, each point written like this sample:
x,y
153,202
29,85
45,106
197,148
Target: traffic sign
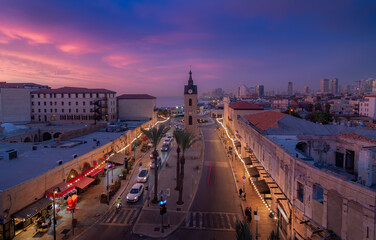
x,y
256,217
243,177
243,180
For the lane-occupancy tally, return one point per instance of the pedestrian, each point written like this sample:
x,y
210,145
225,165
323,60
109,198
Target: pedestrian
x,y
243,195
240,192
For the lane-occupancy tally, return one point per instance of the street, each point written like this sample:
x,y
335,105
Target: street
x,y
217,206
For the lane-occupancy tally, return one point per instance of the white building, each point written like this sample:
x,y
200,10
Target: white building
x,y
71,106
136,107
334,86
368,107
241,91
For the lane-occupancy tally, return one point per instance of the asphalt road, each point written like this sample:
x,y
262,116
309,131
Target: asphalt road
x,y
117,224
216,206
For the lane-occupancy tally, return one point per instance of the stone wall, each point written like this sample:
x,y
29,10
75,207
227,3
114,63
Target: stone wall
x,y
333,213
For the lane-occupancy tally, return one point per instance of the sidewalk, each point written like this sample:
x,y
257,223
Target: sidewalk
x,y
266,224
149,221
90,208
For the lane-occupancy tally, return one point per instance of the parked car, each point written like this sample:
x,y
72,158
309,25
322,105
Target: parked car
x,y
152,165
143,176
135,193
164,148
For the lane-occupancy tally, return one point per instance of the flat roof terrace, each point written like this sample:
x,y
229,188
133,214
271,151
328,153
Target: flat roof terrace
x,y
32,163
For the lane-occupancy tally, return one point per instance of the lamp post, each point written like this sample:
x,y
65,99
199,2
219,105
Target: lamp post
x,y
54,216
275,216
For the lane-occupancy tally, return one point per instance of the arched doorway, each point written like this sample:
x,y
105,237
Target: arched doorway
x,y
56,135
72,174
27,139
86,166
46,136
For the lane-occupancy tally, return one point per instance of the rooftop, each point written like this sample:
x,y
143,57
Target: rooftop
x,y
73,90
265,120
136,96
244,105
21,85
30,164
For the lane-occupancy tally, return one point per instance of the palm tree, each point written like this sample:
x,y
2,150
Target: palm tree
x,y
155,135
178,135
188,139
242,231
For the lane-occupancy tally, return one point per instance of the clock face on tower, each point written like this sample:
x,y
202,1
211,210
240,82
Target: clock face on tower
x,y
190,91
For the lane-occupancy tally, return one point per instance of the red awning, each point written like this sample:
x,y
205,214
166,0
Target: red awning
x,y
92,172
81,181
61,188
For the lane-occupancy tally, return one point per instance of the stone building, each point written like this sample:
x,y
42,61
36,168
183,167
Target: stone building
x,y
136,107
73,106
190,106
318,179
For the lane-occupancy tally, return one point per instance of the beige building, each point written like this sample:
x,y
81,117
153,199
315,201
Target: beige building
x,y
317,179
132,107
15,105
190,106
368,107
72,106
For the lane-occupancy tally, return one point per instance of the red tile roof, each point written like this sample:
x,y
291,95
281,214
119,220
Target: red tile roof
x,y
73,90
265,120
243,105
136,96
355,136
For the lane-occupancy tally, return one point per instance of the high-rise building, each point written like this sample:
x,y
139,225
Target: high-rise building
x,y
374,87
306,90
260,90
334,86
241,91
289,89
324,85
368,85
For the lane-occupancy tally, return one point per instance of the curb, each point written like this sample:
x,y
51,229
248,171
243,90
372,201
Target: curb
x,y
191,202
119,193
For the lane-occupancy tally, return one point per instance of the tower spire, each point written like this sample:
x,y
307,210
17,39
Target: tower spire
x,y
190,81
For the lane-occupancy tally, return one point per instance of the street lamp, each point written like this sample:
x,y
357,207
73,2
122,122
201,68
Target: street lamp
x,y
274,215
56,190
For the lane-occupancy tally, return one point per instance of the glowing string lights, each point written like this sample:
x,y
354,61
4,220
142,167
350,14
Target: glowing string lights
x,y
249,176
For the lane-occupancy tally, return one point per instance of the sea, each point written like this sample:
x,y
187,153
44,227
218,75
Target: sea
x,y
164,101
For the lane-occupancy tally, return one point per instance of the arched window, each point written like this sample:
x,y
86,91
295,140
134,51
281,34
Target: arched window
x,y
190,102
190,120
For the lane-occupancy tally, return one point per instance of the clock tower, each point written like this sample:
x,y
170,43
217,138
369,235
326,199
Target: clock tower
x,y
190,106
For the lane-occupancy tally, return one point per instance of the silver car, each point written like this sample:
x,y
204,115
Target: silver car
x,y
143,176
135,193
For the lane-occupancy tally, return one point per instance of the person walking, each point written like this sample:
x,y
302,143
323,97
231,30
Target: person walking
x,y
240,192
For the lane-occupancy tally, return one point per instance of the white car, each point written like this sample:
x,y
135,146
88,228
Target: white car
x,y
135,193
143,176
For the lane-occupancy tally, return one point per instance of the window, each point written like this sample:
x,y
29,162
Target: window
x,y
339,159
62,103
76,95
38,103
69,110
91,95
69,103
83,95
44,95
51,110
300,192
32,96
38,95
55,103
76,110
38,110
62,110
84,110
55,110
32,103
190,102
62,95
76,103
45,110
190,120
97,95
83,103
318,193
69,95
45,104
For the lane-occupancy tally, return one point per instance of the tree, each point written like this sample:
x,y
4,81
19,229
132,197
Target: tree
x,y
155,135
327,107
178,135
187,140
242,231
322,117
309,107
292,113
318,107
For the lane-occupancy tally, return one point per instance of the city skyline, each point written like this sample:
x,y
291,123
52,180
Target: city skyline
x,y
131,46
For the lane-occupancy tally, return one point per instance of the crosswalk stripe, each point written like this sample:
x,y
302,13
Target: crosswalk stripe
x,y
194,219
201,219
188,219
110,215
131,214
231,221
126,214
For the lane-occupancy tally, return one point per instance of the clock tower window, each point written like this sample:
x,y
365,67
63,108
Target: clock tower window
x,y
190,102
190,120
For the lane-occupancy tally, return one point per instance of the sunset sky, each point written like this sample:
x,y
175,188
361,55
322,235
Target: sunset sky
x,y
148,46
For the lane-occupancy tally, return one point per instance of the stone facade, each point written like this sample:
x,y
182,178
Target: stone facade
x,y
15,105
136,107
312,199
190,107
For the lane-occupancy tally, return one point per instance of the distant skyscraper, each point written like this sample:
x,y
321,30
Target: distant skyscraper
x,y
334,86
260,90
374,87
241,91
306,90
368,85
324,85
289,89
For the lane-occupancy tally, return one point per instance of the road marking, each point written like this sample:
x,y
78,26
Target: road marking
x,y
208,140
188,219
215,175
194,219
209,172
201,219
